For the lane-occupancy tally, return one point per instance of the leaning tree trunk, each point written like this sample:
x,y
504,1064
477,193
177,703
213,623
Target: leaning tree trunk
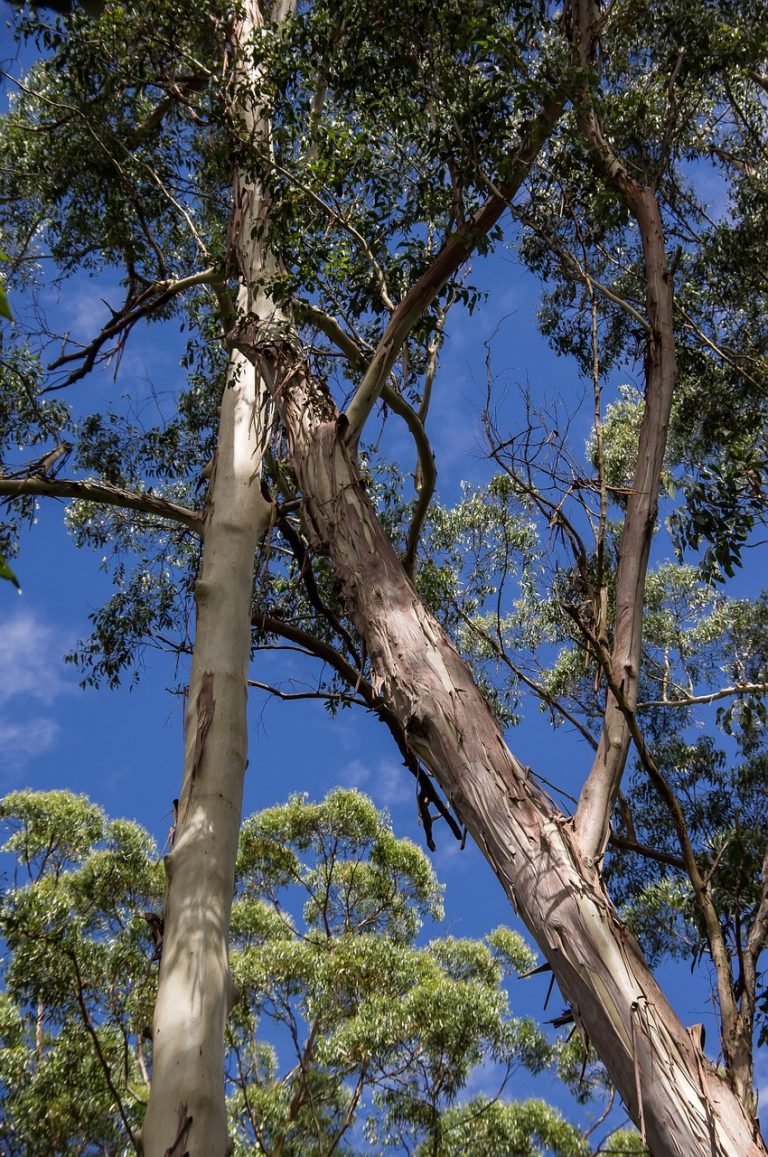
x,y
682,1106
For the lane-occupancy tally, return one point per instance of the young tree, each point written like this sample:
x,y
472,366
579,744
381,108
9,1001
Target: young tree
x,y
352,208
343,1024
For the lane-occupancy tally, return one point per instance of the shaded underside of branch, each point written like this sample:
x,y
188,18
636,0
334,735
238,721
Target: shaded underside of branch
x,y
103,492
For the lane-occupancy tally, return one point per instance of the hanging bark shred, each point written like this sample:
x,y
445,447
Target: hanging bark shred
x,y
205,708
205,705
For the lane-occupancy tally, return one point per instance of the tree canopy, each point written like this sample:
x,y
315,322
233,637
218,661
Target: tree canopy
x,y
347,1034
300,188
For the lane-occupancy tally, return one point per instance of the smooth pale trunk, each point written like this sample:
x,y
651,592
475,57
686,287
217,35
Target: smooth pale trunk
x,y
186,1112
187,1106
672,1091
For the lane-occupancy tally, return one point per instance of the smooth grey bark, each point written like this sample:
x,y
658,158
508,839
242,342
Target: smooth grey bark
x,y
187,1107
187,1111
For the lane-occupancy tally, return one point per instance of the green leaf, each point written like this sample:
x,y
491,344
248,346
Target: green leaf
x,y
8,575
5,309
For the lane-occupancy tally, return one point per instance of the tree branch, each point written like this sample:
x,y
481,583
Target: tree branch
x,y
153,298
348,227
356,356
599,790
724,693
541,692
616,841
103,492
732,1030
427,792
449,260
88,1025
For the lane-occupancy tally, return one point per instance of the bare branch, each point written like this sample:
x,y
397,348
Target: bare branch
x,y
291,696
151,299
724,354
616,841
302,556
683,700
537,688
582,272
88,1025
427,790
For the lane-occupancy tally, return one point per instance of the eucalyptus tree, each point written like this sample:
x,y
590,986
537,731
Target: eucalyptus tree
x,y
345,1029
305,185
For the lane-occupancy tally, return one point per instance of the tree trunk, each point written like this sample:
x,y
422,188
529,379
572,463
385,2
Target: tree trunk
x,y
187,1112
187,1107
675,1095
680,1103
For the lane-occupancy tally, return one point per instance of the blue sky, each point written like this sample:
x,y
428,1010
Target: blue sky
x,y
124,749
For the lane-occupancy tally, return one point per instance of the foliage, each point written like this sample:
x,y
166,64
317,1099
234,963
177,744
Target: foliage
x,y
7,574
344,1018
77,986
119,147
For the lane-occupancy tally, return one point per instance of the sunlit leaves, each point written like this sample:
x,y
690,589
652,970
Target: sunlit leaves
x,y
76,971
486,1128
328,907
326,963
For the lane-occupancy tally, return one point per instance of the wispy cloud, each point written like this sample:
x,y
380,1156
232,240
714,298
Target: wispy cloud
x,y
31,658
22,742
31,652
81,306
388,783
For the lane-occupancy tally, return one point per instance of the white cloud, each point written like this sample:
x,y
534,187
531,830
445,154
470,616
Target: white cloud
x,y
487,1079
24,741
81,305
31,658
388,784
355,774
393,784
31,653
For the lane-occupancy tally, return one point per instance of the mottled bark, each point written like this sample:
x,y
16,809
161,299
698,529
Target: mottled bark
x,y
624,657
599,792
672,1091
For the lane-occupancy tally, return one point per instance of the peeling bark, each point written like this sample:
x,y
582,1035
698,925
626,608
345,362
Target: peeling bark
x,y
669,1086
